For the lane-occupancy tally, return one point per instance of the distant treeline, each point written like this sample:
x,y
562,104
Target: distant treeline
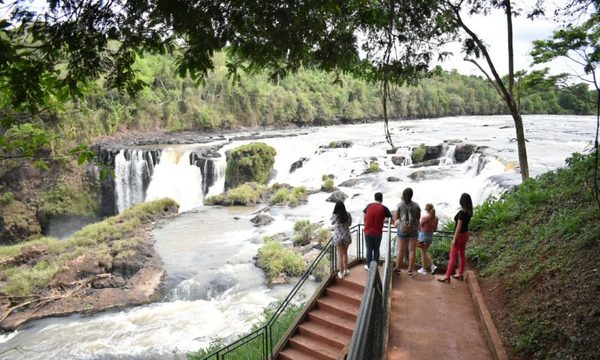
x,y
170,102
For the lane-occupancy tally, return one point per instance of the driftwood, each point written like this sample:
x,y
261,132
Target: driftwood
x,y
40,301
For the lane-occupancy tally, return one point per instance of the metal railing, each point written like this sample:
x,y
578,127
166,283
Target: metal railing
x,y
372,321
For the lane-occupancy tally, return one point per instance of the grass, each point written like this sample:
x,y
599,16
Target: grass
x,y
276,260
418,153
328,185
373,166
303,232
540,243
245,195
114,237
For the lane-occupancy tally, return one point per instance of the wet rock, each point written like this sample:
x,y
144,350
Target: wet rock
x,y
398,160
338,144
418,175
337,196
426,163
297,164
262,219
351,182
431,153
463,152
392,179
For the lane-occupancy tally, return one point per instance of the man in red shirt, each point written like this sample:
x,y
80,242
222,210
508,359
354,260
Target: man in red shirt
x,y
375,214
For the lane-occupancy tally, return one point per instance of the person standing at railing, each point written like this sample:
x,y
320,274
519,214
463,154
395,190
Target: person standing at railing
x,y
407,224
375,215
427,226
341,221
459,241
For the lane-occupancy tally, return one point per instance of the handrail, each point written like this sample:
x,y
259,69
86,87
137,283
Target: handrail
x,y
372,320
265,332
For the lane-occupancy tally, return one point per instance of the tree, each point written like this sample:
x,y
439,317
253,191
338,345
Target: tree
x,y
581,45
474,48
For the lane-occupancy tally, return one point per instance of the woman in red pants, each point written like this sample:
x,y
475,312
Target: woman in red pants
x,y
459,241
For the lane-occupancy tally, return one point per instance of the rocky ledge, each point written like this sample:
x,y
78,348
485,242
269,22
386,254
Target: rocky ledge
x,y
93,282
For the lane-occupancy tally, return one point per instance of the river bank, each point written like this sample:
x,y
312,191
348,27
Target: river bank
x,y
108,265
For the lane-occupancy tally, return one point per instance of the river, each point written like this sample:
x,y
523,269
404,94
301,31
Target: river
x,y
213,289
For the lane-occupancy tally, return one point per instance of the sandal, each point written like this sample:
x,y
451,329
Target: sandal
x,y
458,277
443,279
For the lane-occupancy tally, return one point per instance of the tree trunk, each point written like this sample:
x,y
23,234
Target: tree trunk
x,y
521,148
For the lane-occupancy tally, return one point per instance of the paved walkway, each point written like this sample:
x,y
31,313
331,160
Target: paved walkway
x,y
434,320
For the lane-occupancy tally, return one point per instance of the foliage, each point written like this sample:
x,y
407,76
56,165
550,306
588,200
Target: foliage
x,y
373,166
245,195
65,199
281,196
249,163
297,195
418,153
538,237
303,232
275,259
328,185
6,198
96,239
18,221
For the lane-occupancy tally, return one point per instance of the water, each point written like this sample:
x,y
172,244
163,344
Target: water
x,y
214,289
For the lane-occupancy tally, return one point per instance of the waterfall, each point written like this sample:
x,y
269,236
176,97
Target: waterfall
x,y
133,171
448,157
184,176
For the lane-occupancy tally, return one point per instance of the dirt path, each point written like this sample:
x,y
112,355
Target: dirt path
x,y
434,320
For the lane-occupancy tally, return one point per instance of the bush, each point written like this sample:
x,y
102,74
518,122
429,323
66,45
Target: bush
x,y
303,230
275,259
298,194
67,200
7,198
373,166
249,163
243,195
418,153
280,197
328,185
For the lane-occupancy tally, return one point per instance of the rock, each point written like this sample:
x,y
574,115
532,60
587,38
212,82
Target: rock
x,y
297,164
350,182
463,152
337,196
262,219
398,160
392,179
417,175
431,153
391,151
426,163
280,280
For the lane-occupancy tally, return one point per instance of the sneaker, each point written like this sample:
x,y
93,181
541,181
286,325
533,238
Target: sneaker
x,y
433,267
341,275
346,272
367,267
422,271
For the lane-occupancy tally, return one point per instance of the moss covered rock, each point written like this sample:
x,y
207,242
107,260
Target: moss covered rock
x,y
249,163
17,223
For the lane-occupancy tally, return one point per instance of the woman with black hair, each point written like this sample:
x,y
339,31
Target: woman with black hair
x,y
341,221
459,241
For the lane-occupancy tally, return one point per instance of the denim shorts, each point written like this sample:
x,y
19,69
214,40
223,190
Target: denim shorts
x,y
407,235
425,237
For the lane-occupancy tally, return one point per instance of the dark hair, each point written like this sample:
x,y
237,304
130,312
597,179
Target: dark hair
x,y
466,204
378,196
407,195
339,210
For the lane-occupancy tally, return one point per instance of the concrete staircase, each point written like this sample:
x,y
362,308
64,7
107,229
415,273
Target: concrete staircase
x,y
326,330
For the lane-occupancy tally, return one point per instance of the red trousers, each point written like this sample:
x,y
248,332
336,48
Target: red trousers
x,y
459,247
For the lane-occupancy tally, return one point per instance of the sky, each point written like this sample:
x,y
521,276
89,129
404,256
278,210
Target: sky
x,y
492,29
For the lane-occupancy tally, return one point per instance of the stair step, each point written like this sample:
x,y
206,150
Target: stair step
x,y
314,347
340,323
341,307
325,333
342,291
290,353
352,282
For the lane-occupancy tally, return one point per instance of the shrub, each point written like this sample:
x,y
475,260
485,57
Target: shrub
x,y
280,197
65,199
303,230
249,163
327,185
245,194
7,198
275,259
297,194
323,235
418,153
373,166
